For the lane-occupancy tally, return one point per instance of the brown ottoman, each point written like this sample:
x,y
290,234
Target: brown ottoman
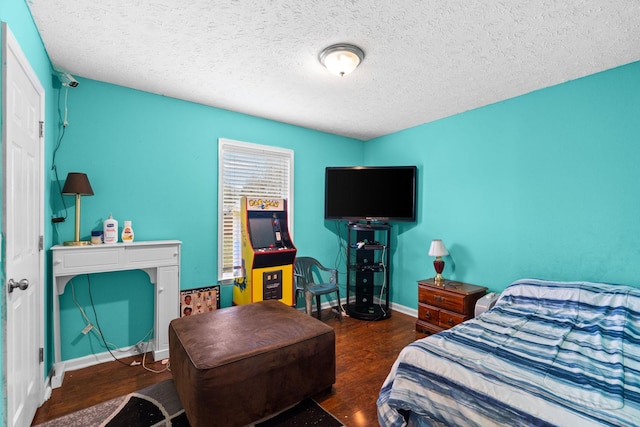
x,y
237,365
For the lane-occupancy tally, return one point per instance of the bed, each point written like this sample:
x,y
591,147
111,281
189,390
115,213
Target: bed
x,y
547,354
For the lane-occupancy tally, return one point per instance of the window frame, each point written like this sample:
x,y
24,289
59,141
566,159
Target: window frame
x,y
233,147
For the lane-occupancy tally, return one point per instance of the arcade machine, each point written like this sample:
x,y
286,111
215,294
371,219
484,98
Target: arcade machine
x,y
268,253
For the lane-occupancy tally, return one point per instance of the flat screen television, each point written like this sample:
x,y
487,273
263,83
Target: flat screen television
x,y
370,193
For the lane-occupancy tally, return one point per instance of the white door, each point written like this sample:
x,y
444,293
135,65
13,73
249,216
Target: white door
x,y
22,220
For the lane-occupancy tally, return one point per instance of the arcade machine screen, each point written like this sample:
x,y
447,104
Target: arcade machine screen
x,y
262,233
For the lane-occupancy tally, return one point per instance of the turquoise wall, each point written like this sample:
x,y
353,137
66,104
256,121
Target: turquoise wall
x,y
543,185
153,160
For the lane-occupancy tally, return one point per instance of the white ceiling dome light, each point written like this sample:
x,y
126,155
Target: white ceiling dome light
x,y
341,59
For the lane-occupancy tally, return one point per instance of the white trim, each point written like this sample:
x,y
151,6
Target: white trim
x,y
96,359
413,312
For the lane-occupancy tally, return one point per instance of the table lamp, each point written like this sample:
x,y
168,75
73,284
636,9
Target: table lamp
x,y
77,184
438,250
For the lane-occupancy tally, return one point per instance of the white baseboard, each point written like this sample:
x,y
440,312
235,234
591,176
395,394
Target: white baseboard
x,y
57,374
95,359
413,312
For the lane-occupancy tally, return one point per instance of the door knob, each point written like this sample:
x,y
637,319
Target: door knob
x,y
22,285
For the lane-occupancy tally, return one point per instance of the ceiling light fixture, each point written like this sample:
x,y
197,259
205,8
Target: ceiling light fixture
x,y
341,59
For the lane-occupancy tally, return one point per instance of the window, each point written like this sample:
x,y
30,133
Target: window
x,y
250,170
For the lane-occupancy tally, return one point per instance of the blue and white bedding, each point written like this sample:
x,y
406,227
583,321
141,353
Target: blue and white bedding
x,y
547,354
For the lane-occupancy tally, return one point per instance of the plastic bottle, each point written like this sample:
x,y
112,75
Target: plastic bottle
x,y
96,237
127,232
110,230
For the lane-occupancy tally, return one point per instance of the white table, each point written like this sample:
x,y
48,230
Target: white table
x,y
160,259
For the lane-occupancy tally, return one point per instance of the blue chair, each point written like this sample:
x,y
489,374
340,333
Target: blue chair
x,y
306,270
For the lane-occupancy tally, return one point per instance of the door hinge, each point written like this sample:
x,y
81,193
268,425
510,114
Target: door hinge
x,y
41,129
41,243
41,355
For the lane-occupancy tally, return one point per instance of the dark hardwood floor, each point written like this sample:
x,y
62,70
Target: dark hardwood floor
x,y
365,352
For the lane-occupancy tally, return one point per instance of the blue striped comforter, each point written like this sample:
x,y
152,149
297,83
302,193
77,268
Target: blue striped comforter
x,y
547,354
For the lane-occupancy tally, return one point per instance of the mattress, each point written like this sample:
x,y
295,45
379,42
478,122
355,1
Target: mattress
x,y
548,353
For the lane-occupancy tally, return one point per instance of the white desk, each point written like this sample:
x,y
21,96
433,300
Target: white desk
x,y
159,259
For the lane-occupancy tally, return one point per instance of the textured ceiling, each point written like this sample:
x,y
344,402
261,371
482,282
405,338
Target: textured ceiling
x,y
424,59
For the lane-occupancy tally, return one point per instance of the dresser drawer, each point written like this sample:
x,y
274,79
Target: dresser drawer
x,y
448,319
443,299
439,317
429,314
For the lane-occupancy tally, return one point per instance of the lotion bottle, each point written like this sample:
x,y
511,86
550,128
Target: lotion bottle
x,y
110,230
127,232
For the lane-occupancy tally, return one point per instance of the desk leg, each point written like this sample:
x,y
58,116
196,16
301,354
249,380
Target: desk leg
x,y
58,367
167,291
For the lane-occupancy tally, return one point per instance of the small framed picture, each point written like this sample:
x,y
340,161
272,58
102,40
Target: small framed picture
x,y
200,300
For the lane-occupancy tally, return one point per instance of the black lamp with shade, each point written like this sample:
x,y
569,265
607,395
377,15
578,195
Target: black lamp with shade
x,y
77,184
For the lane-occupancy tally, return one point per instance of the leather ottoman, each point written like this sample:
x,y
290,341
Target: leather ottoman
x,y
238,365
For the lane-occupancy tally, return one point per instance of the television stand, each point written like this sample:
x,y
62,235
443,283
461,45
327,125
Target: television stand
x,y
368,270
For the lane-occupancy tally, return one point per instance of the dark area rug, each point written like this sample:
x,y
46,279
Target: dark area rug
x,y
159,405
305,413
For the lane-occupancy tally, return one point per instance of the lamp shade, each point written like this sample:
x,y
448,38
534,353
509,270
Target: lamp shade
x,y
77,183
438,248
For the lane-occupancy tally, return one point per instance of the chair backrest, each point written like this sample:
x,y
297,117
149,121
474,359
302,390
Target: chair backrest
x,y
303,271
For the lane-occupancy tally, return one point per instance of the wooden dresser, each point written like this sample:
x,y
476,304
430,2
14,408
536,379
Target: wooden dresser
x,y
441,307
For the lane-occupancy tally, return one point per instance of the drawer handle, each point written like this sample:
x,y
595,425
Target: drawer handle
x,y
427,315
439,298
451,322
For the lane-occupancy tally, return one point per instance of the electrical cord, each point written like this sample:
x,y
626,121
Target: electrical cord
x,y
341,259
54,168
86,318
108,345
98,325
144,355
342,248
144,358
384,281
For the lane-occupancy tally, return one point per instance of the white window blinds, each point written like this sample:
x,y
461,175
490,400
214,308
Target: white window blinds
x,y
250,170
